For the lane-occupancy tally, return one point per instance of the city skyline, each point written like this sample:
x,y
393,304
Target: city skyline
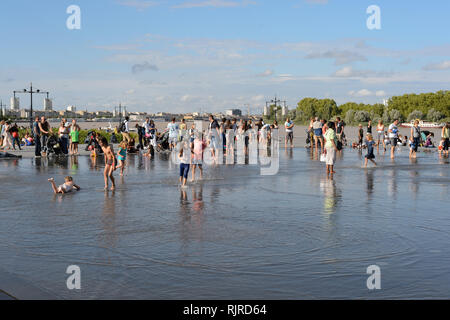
x,y
183,56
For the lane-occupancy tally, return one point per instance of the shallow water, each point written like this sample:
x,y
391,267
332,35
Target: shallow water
x,y
236,235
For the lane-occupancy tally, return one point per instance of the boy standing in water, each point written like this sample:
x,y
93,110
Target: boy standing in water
x,y
369,156
110,163
67,187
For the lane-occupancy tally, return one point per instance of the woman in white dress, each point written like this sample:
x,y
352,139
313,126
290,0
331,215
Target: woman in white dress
x,y
7,139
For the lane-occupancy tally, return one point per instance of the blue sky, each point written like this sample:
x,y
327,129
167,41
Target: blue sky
x,y
211,55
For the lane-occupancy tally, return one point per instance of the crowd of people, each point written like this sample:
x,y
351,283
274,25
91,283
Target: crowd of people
x,y
329,138
223,138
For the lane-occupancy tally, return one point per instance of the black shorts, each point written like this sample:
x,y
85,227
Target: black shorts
x,y
289,136
446,144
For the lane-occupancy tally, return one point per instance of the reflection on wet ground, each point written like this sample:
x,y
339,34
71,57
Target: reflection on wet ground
x,y
236,234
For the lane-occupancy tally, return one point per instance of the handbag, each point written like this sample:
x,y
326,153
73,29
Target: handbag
x,y
323,157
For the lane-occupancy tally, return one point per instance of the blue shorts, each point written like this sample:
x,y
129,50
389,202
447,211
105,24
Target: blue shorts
x,y
184,170
318,132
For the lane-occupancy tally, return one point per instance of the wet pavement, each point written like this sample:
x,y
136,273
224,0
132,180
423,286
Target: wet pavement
x,y
236,234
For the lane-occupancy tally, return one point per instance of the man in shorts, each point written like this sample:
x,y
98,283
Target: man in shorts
x,y
289,125
173,133
393,136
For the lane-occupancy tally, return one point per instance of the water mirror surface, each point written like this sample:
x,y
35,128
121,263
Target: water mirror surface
x,y
235,235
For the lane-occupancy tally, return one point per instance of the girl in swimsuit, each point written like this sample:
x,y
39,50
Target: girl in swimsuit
x,y
110,163
67,187
122,156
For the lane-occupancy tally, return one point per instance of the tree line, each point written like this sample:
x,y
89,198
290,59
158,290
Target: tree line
x,y
426,106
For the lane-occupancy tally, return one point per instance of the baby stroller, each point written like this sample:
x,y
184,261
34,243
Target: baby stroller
x,y
162,142
92,143
53,146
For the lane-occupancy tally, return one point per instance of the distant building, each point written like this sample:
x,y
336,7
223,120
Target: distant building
x,y
48,104
284,111
234,113
15,104
71,109
266,111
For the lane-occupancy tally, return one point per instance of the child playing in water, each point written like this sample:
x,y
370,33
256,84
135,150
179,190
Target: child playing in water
x,y
369,156
67,187
185,161
197,157
122,156
110,163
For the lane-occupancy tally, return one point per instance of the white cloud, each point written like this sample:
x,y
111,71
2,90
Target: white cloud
x,y
266,73
444,65
366,93
349,72
340,57
360,93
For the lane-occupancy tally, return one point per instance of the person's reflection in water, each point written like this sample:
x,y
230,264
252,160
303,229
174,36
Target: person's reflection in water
x,y
369,178
331,200
289,153
392,183
331,196
191,218
74,164
414,183
93,164
63,162
108,237
197,198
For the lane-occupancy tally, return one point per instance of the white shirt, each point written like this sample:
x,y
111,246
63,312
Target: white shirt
x,y
393,135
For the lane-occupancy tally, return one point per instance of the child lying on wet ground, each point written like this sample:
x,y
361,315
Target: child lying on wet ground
x,y
67,187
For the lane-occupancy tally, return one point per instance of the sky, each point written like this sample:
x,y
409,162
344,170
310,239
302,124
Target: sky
x,y
212,55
